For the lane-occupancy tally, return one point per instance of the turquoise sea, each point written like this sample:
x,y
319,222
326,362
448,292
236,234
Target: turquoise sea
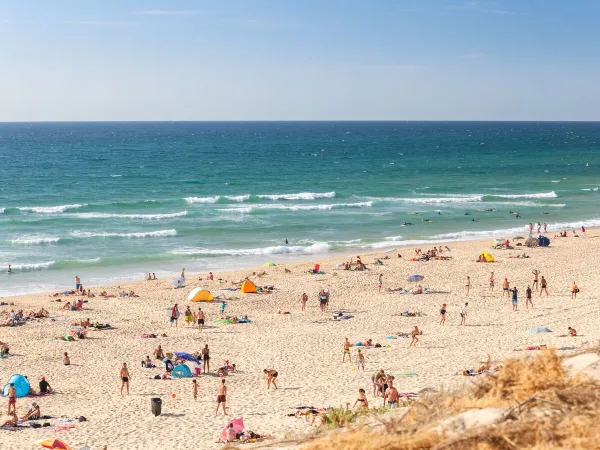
x,y
110,201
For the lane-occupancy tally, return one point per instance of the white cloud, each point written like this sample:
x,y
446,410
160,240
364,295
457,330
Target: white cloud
x,y
166,12
473,55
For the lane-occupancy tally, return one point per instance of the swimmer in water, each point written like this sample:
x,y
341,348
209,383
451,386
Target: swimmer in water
x,y
413,214
427,220
406,223
467,214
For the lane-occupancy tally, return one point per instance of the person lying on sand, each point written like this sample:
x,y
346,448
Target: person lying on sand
x,y
67,305
83,323
531,347
13,421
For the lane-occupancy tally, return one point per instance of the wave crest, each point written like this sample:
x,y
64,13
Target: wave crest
x,y
49,209
318,247
146,234
92,215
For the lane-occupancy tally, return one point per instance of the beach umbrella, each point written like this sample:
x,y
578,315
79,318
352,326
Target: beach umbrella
x,y
54,444
270,264
416,278
539,330
187,357
238,427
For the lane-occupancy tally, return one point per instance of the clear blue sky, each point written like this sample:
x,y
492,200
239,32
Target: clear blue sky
x,y
300,60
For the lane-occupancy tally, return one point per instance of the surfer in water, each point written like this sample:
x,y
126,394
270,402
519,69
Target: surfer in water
x,y
427,220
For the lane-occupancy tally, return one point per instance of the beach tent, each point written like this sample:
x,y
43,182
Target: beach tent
x,y
539,330
181,371
187,357
53,444
238,427
488,257
178,282
543,241
499,241
21,385
415,278
269,264
200,295
248,287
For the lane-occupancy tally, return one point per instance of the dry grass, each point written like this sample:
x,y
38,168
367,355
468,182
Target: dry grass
x,y
546,409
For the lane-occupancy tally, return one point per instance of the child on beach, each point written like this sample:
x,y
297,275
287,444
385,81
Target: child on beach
x,y
303,301
195,390
468,285
380,281
347,346
443,314
360,360
574,290
528,300
463,314
415,333
361,400
66,359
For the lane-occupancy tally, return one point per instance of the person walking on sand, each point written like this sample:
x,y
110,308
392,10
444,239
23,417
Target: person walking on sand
x,y
492,282
463,314
199,319
174,315
125,378
505,287
468,285
515,299
528,300
271,377
206,359
443,314
303,301
543,286
380,281
574,290
222,398
195,390
360,360
347,346
12,399
535,284
415,336
183,273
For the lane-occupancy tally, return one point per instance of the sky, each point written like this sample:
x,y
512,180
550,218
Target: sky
x,y
113,60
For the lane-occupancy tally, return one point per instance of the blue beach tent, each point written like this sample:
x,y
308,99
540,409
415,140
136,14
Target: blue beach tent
x,y
543,241
21,385
181,371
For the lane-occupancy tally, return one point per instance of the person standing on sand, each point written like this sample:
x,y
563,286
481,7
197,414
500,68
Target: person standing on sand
x,y
195,390
360,360
199,319
303,301
536,274
12,399
544,286
222,398
77,283
380,281
415,333
528,300
223,305
505,287
322,300
125,378
515,299
347,346
463,314
206,359
174,315
574,290
183,273
545,227
468,285
443,314
492,282
391,395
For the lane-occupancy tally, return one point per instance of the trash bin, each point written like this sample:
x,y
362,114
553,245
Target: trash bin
x,y
156,406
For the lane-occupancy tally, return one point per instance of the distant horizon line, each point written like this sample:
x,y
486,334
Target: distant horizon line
x,y
297,121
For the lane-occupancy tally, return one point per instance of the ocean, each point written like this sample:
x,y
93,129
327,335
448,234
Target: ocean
x,y
111,201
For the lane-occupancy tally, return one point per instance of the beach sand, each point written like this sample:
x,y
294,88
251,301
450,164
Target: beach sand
x,y
305,348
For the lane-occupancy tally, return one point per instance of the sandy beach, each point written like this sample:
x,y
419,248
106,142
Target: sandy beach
x,y
304,347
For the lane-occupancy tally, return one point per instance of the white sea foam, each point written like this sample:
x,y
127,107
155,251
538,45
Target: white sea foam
x,y
130,216
538,195
202,199
160,233
1,210
35,240
238,198
298,196
248,209
49,209
318,247
28,267
452,199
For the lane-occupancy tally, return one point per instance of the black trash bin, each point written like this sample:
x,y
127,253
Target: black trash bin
x,y
156,406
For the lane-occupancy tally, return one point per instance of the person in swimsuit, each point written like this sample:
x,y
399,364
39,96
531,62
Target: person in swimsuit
x,y
77,283
544,286
271,377
222,398
361,401
515,299
125,377
572,332
199,319
468,285
189,316
303,301
391,395
158,353
66,359
443,314
195,390
347,346
380,281
492,282
12,399
536,274
574,290
33,413
360,360
375,380
322,300
174,315
528,300
415,333
206,359
505,287
463,314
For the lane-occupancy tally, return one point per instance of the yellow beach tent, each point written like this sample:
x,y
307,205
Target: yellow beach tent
x,y
488,257
200,295
248,287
